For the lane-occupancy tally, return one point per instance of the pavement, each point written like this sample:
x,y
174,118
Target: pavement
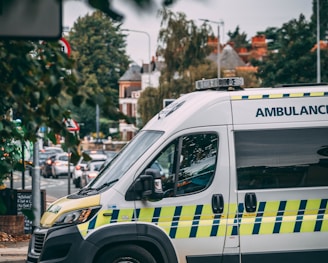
x,y
16,252
13,251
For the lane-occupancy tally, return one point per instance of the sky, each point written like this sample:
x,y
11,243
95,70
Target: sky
x,y
250,15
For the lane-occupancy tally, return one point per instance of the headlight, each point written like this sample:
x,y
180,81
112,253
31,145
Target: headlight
x,y
77,216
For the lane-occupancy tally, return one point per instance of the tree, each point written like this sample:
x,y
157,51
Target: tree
x,y
98,47
148,104
32,84
293,62
181,43
272,37
183,47
239,39
151,100
323,9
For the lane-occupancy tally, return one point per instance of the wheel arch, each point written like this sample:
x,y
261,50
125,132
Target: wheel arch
x,y
147,236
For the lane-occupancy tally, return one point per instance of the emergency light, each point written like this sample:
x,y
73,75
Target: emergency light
x,y
219,83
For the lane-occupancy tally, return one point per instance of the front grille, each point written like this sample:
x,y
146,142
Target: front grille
x,y
38,242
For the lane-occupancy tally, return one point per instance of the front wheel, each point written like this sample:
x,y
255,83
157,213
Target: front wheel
x,y
126,254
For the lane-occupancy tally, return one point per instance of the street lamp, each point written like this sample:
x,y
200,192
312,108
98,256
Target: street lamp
x,y
318,44
219,23
149,53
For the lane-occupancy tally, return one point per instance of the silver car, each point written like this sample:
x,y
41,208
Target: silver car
x,y
61,165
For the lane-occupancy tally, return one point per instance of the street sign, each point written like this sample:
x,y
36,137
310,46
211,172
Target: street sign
x,y
65,46
72,125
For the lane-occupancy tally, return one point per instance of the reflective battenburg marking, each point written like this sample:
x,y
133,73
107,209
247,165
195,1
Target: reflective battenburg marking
x,y
196,221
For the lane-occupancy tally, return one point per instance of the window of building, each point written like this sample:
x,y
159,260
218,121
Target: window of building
x,y
282,158
187,165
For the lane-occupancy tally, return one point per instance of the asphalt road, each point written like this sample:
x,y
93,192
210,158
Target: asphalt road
x,y
54,187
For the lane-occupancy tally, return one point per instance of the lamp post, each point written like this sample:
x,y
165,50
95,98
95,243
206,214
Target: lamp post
x,y
318,43
218,23
149,53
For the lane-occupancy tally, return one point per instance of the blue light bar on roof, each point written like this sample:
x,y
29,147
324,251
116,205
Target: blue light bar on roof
x,y
217,83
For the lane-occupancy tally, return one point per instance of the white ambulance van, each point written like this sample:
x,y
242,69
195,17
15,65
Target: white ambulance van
x,y
220,175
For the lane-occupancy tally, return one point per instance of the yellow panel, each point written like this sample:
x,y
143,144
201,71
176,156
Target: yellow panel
x,y
317,94
185,221
275,96
146,214
125,215
102,220
251,97
266,227
312,207
308,223
296,95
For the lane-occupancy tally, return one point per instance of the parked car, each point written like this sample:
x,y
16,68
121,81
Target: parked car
x,y
77,172
91,171
61,165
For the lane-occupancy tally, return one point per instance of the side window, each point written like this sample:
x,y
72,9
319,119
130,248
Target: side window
x,y
282,158
187,165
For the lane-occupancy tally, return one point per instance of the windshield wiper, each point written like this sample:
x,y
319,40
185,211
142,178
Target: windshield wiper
x,y
106,184
85,191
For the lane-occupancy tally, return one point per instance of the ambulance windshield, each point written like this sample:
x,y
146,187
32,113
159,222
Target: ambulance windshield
x,y
125,159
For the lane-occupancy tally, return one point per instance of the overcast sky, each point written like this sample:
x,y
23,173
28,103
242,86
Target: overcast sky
x,y
251,16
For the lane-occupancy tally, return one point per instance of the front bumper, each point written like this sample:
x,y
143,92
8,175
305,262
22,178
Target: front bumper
x,y
59,244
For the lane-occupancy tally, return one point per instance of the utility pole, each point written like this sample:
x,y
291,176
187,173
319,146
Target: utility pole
x,y
318,43
218,23
149,51
36,195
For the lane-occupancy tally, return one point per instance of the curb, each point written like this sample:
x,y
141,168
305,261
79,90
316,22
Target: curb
x,y
14,254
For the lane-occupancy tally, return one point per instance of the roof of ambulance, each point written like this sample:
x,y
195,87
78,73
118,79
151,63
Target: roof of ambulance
x,y
206,105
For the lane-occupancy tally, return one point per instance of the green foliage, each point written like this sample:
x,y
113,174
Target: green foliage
x,y
151,99
239,39
148,104
272,36
295,60
10,155
181,43
323,9
33,81
98,46
184,48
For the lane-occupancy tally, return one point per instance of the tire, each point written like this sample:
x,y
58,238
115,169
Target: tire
x,y
126,254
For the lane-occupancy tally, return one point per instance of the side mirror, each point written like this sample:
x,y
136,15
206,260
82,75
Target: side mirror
x,y
156,184
147,187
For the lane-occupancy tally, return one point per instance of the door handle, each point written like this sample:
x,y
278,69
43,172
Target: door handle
x,y
250,202
217,203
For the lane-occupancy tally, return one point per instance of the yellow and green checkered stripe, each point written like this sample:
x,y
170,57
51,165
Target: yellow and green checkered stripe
x,y
196,221
279,96
281,217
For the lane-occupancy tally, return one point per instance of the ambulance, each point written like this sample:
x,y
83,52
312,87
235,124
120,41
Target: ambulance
x,y
222,174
